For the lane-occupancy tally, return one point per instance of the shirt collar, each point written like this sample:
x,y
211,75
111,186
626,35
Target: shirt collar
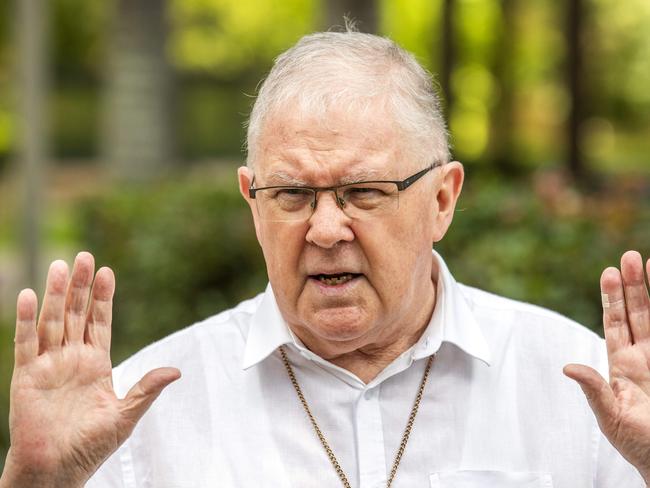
x,y
268,330
452,321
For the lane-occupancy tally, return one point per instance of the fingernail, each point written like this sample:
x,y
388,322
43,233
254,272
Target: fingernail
x,y
58,263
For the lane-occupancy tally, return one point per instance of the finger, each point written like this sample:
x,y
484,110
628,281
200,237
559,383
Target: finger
x,y
26,341
598,392
50,323
100,312
142,395
637,302
76,303
617,330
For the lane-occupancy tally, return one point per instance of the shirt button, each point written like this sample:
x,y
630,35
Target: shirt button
x,y
369,394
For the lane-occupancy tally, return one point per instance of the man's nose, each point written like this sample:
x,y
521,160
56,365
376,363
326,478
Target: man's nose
x,y
328,224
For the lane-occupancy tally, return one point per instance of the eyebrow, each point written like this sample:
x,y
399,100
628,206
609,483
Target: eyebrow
x,y
364,175
284,178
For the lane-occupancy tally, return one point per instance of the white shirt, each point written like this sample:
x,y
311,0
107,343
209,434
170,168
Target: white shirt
x,y
496,412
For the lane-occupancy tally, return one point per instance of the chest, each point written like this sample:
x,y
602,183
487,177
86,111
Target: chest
x,y
470,431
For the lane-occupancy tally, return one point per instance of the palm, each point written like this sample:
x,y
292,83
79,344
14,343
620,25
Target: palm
x,y
622,406
65,418
629,424
72,384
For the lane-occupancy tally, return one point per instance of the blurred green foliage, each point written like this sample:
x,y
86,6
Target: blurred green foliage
x,y
77,36
510,56
181,252
230,37
547,246
7,123
415,25
211,119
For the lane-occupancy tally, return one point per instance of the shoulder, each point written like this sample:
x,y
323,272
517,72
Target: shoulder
x,y
541,334
219,337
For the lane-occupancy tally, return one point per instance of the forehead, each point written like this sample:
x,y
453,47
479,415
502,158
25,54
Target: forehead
x,y
337,146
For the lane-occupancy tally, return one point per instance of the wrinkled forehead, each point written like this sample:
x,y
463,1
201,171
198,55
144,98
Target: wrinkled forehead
x,y
333,146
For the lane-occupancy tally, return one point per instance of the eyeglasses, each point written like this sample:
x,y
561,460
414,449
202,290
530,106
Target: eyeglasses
x,y
361,200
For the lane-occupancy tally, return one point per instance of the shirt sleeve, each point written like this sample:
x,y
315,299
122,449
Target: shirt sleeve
x,y
613,470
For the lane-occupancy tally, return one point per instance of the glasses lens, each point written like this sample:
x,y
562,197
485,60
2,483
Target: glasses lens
x,y
358,201
284,204
368,200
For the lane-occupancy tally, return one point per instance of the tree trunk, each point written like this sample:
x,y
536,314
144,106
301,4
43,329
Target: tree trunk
x,y
31,32
574,73
502,117
364,12
138,140
448,57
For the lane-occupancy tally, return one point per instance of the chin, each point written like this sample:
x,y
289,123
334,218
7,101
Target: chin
x,y
339,325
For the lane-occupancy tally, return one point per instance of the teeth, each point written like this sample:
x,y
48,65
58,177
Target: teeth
x,y
335,280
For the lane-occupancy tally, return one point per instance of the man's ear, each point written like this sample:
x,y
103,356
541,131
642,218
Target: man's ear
x,y
450,183
245,177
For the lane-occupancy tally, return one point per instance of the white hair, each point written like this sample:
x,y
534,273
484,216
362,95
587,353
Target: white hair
x,y
357,72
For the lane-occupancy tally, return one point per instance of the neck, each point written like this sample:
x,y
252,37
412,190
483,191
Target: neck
x,y
367,362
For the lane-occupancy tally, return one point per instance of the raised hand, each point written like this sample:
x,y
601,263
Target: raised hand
x,y
622,406
65,418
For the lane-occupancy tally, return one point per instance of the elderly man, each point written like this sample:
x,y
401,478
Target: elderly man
x,y
363,363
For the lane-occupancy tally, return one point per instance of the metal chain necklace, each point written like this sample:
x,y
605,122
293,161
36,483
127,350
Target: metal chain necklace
x,y
323,441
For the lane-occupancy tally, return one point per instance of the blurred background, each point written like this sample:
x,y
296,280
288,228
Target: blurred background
x,y
121,126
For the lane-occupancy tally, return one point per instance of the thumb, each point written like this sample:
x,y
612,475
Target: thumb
x,y
144,392
598,392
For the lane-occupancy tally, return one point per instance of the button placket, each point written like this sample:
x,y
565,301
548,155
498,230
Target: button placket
x,y
370,440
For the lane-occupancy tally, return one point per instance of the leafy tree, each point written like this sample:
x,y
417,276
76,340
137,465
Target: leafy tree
x,y
228,38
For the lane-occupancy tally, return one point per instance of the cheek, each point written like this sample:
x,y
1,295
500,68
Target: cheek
x,y
388,252
420,224
282,245
399,252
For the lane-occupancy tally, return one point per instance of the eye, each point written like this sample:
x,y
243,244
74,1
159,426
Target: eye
x,y
363,192
366,190
292,193
292,199
370,195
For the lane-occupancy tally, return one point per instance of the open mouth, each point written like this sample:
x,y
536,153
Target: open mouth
x,y
335,279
